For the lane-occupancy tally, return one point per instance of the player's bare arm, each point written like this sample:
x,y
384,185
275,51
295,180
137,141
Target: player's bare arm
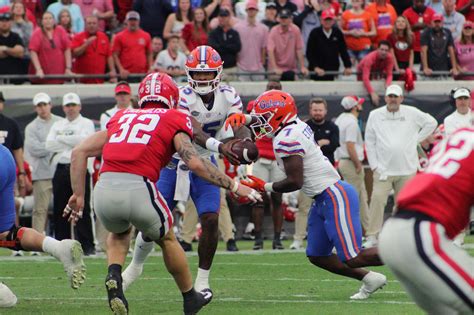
x,y
206,170
91,146
204,140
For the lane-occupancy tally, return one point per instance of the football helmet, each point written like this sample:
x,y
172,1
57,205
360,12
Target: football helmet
x,y
158,90
273,109
204,59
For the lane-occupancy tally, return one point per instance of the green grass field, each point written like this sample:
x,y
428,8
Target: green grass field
x,y
248,282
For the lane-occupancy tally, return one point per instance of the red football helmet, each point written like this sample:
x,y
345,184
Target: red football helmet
x,y
204,59
273,110
158,90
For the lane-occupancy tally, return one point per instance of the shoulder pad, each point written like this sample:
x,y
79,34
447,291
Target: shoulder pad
x,y
186,97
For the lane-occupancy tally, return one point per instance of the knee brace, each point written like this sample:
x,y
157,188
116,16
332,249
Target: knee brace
x,y
14,237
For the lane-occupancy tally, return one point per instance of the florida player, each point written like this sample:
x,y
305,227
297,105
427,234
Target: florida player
x,y
135,147
15,237
334,215
416,243
209,103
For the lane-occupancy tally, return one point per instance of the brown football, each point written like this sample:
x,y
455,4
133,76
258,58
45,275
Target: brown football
x,y
246,151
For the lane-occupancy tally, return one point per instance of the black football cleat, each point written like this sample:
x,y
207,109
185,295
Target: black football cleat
x,y
232,246
117,301
277,245
197,301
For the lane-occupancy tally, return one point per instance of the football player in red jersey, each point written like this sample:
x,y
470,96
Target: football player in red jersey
x,y
136,146
416,243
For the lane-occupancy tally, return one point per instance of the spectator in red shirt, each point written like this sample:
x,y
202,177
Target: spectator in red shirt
x,y
466,7
34,6
92,52
132,48
419,16
376,65
50,51
401,41
121,7
194,34
65,20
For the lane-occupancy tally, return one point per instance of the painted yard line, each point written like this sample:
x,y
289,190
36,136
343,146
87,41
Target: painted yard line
x,y
230,299
212,278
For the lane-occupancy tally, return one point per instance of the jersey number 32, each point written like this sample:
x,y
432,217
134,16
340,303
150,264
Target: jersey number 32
x,y
140,127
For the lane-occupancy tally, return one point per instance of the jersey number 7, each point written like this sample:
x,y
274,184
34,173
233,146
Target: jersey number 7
x,y
139,131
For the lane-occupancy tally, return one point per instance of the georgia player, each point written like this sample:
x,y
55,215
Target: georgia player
x,y
136,146
334,215
209,103
416,243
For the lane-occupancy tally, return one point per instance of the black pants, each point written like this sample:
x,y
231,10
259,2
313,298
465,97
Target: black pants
x,y
62,191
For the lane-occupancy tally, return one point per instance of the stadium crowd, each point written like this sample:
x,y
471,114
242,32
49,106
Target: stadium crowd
x,y
124,40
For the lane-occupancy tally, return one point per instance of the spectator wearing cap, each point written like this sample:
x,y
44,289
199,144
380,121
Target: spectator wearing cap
x,y
241,9
214,22
308,19
286,5
63,136
376,65
153,15
102,9
39,159
226,41
285,48
270,19
326,45
11,48
254,38
392,135
466,7
92,52
326,133
384,16
74,9
419,16
464,48
437,49
50,51
171,60
10,137
132,48
194,34
462,116
453,20
350,152
123,97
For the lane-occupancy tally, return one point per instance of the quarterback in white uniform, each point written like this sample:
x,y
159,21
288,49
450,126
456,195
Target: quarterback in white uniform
x,y
209,103
334,215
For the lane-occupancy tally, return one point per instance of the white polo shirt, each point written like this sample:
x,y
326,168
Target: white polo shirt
x,y
456,121
349,131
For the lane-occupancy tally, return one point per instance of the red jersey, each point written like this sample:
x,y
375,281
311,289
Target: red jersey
x,y
132,49
141,140
445,191
470,13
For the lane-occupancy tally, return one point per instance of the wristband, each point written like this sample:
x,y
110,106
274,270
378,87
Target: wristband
x,y
212,144
269,187
235,187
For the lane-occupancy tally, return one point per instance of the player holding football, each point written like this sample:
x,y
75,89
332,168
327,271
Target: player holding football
x,y
15,237
137,145
209,103
334,215
416,243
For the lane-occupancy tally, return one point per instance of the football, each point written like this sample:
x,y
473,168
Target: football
x,y
246,151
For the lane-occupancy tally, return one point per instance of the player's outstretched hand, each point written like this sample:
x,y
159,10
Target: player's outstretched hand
x,y
74,208
235,120
249,193
226,150
254,182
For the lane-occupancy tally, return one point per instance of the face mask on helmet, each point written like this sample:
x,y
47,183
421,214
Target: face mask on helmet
x,y
262,127
201,61
158,90
201,85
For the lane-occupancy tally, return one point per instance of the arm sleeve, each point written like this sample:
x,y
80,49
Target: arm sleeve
x,y
33,145
52,143
366,67
18,140
289,147
370,141
427,124
35,41
343,50
334,140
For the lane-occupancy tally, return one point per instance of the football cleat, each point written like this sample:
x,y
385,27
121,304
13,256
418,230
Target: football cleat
x,y
277,245
297,244
130,274
7,297
70,254
117,301
258,245
370,283
194,304
232,246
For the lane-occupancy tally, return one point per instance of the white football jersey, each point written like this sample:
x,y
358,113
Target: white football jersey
x,y
298,139
226,102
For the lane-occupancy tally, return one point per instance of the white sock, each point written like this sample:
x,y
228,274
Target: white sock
x,y
141,250
50,246
202,280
